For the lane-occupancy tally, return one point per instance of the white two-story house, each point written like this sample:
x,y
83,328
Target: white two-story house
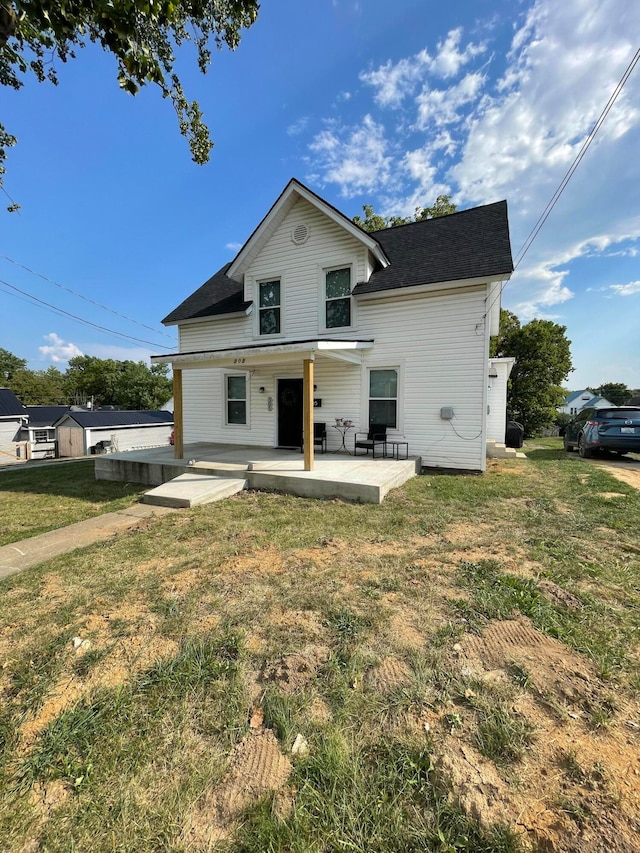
x,y
316,319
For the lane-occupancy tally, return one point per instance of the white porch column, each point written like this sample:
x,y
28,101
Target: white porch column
x,y
307,413
178,433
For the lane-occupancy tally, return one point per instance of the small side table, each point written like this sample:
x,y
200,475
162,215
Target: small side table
x,y
343,430
392,449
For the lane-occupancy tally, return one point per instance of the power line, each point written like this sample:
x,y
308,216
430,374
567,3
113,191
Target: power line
x,y
569,174
62,312
86,298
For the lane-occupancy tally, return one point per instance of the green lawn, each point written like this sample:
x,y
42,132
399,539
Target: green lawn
x,y
34,500
461,662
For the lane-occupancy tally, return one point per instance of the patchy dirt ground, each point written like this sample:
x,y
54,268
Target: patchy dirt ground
x,y
576,786
626,470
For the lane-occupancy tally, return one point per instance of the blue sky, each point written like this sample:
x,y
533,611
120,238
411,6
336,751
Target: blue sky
x,y
365,101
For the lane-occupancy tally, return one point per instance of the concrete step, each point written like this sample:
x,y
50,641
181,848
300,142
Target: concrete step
x,y
192,489
498,450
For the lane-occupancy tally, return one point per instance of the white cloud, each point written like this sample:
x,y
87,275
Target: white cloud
x,y
394,81
233,247
298,127
57,350
442,106
356,158
626,289
449,60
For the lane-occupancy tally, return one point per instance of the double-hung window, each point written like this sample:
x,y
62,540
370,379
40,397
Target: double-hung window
x,y
236,399
338,298
383,398
270,306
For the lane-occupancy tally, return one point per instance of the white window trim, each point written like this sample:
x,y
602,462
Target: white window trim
x,y
398,430
263,279
347,263
225,390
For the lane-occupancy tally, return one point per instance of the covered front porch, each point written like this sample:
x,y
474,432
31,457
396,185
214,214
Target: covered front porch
x,y
266,394
357,478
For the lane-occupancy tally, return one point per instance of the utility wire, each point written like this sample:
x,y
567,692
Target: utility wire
x,y
60,311
86,298
569,174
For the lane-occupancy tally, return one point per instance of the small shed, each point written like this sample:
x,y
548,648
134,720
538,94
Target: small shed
x,y
84,433
40,431
13,415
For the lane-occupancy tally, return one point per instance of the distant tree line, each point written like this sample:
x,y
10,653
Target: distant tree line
x,y
105,382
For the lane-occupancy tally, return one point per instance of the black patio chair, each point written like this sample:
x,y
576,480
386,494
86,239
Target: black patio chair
x,y
320,436
376,437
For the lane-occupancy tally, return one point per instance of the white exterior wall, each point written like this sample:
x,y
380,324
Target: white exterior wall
x,y
9,431
497,399
438,341
131,438
440,344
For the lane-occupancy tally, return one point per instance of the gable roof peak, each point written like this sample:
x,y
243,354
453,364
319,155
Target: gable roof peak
x,y
294,190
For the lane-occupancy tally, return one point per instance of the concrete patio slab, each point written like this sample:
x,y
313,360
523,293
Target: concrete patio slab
x,y
357,478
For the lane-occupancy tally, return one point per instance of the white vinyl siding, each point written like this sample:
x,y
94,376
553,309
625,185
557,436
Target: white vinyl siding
x,y
440,342
329,247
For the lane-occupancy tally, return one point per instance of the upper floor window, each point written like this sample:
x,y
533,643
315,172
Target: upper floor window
x,y
269,307
338,298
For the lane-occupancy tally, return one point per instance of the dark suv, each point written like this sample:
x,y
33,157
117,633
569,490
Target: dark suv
x,y
616,429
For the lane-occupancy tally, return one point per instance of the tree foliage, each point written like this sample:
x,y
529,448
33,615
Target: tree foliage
x,y
543,362
40,387
372,221
123,384
141,34
9,363
615,392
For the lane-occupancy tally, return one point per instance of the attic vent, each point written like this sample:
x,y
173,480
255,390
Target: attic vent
x,y
300,234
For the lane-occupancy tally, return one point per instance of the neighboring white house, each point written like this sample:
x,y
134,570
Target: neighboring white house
x,y
576,401
316,317
13,415
83,433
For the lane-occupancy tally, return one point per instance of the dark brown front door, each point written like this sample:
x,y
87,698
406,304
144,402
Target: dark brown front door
x,y
289,412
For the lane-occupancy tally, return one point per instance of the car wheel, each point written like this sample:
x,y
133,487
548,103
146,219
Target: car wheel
x,y
583,450
568,447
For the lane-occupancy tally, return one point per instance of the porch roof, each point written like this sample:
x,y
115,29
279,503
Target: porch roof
x,y
345,350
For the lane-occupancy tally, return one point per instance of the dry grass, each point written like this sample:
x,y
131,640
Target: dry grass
x,y
461,663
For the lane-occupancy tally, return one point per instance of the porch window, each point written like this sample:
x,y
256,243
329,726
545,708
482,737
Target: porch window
x,y
41,436
270,305
383,398
236,399
338,298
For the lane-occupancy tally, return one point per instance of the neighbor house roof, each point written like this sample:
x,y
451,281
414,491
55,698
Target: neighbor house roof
x,y
10,406
116,419
43,416
470,244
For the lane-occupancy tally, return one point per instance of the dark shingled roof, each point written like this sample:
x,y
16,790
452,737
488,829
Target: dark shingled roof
x,y
10,406
470,244
116,419
43,416
219,295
